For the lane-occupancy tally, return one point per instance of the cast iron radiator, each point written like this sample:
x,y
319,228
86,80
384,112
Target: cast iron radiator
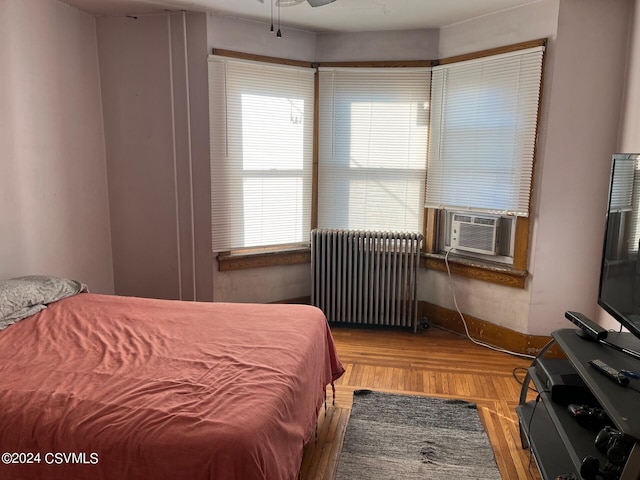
x,y
366,277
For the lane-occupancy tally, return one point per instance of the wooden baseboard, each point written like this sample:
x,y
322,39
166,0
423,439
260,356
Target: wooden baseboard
x,y
484,331
481,330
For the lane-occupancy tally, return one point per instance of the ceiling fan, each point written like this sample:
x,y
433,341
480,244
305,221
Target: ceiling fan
x,y
291,3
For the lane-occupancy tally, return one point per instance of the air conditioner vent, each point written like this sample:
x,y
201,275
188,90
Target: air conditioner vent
x,y
484,221
475,233
462,218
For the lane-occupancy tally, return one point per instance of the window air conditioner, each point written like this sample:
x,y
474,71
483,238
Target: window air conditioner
x,y
475,233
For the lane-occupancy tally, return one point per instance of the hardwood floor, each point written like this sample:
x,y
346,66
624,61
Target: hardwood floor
x,y
433,363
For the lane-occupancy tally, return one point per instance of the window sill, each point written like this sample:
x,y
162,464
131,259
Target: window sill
x,y
485,271
241,260
502,275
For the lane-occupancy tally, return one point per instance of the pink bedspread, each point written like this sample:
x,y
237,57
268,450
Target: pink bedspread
x,y
106,387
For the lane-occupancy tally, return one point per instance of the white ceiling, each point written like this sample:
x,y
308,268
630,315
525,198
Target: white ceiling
x,y
342,15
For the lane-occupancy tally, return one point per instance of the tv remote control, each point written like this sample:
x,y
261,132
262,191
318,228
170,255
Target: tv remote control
x,y
612,373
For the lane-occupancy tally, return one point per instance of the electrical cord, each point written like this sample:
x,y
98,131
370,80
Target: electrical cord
x,y
464,322
520,380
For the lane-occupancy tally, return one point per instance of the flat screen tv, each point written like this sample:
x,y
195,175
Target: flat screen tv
x,y
619,292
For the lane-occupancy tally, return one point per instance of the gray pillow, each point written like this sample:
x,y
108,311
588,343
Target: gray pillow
x,y
24,296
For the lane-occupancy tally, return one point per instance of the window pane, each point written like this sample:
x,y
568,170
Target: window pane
x,y
261,131
271,210
372,145
483,122
285,121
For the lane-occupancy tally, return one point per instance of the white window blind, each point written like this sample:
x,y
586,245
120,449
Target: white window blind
x,y
625,201
622,184
261,134
634,232
373,130
483,131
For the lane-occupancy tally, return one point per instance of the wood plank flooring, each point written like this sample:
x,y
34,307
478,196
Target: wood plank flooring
x,y
433,363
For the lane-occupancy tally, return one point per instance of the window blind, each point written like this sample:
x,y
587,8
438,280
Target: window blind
x,y
372,140
483,130
625,201
622,185
261,134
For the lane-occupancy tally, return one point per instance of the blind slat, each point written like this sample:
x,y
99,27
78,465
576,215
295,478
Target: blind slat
x,y
483,130
261,134
373,127
622,186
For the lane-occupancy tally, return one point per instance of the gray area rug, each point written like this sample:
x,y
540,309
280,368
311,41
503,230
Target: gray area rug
x,y
409,437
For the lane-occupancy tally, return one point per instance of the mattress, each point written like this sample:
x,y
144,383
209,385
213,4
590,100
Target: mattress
x,y
107,387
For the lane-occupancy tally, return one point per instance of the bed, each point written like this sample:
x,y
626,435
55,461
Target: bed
x,y
106,387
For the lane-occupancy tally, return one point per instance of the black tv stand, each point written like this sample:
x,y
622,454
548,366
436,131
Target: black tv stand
x,y
558,443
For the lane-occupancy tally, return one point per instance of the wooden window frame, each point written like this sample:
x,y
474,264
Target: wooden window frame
x,y
502,274
257,257
513,276
264,257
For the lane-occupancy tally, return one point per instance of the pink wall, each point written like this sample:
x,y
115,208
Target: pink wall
x,y
573,141
371,46
54,214
54,202
582,103
293,281
629,138
585,105
156,133
630,128
505,306
249,36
